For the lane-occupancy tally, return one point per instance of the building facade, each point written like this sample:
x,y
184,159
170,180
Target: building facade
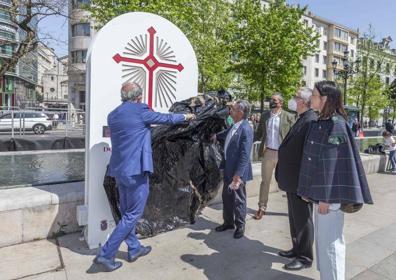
x,y
80,36
18,86
52,77
333,41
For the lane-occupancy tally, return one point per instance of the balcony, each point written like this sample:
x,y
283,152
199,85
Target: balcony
x,y
6,3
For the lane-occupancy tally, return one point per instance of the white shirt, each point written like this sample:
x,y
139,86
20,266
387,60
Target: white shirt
x,y
388,143
230,134
272,141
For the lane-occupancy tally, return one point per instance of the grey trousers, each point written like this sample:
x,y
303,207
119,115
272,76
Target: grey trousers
x,y
330,244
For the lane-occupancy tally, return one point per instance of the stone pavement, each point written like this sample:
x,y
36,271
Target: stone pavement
x,y
198,252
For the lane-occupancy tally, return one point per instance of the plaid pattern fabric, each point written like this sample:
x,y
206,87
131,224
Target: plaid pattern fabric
x,y
331,168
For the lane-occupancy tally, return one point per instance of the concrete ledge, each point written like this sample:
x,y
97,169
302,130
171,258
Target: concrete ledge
x,y
33,213
371,163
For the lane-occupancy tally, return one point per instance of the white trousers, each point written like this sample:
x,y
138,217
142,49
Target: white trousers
x,y
329,242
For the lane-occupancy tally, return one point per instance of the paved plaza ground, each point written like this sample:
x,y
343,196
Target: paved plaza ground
x,y
198,252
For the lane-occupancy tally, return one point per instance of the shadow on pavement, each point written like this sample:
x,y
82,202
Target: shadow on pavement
x,y
234,258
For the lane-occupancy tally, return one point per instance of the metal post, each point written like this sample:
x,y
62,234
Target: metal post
x,y
12,124
66,124
345,87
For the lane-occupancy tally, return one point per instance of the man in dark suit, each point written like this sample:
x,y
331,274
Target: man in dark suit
x,y
287,174
273,127
131,163
238,142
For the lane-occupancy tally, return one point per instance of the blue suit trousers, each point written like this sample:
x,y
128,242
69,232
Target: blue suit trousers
x,y
133,191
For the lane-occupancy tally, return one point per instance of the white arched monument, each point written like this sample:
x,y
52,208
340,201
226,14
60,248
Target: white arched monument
x,y
134,47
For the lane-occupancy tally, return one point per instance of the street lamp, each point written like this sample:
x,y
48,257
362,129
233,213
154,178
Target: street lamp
x,y
346,71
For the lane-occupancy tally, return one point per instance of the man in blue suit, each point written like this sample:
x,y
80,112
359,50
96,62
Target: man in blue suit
x,y
131,163
238,141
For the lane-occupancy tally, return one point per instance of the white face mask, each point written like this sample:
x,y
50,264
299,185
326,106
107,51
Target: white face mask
x,y
292,105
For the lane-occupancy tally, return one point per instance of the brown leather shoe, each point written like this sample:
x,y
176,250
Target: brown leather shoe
x,y
259,214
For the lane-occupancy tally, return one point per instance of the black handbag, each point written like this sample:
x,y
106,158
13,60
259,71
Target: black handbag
x,y
351,207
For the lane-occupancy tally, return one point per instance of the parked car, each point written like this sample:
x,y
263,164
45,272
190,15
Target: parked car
x,y
36,121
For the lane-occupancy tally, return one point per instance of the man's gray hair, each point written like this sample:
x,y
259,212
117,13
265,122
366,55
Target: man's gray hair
x,y
244,107
279,95
305,94
130,92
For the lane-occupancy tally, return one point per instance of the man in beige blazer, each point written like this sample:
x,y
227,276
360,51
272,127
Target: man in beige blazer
x,y
273,127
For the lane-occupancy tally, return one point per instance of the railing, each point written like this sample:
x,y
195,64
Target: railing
x,y
15,121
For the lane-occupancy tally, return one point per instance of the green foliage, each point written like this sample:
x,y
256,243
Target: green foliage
x,y
271,44
239,44
367,90
207,24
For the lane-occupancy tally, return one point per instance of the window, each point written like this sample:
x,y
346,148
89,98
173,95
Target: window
x,y
340,47
305,70
324,74
324,59
82,96
318,43
81,29
317,58
352,40
387,69
306,22
379,66
52,78
341,34
7,49
387,81
79,56
372,63
352,53
316,72
325,31
7,35
4,14
325,46
77,4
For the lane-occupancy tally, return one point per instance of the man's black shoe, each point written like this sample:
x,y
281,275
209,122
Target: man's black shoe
x,y
224,227
239,232
297,264
287,254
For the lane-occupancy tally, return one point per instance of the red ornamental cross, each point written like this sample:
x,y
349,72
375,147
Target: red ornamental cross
x,y
150,62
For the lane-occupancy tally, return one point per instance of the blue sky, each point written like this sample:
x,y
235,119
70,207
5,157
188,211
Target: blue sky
x,y
352,13
357,14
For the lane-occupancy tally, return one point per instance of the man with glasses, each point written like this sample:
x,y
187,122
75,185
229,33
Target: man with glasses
x,y
273,127
287,174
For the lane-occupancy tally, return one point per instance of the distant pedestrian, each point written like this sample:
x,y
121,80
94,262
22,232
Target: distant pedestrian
x,y
389,126
389,143
55,120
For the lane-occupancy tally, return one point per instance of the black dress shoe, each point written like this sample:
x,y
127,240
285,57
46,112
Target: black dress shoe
x,y
287,254
224,227
297,264
144,250
239,232
106,264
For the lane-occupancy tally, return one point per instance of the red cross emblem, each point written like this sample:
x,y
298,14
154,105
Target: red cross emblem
x,y
135,69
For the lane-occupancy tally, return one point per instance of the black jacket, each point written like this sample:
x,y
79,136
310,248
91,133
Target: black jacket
x,y
290,153
331,169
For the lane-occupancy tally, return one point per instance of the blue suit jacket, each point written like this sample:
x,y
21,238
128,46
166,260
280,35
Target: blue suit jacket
x,y
238,153
130,136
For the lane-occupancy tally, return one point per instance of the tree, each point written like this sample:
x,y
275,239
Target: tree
x,y
207,24
367,90
25,15
391,94
272,41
